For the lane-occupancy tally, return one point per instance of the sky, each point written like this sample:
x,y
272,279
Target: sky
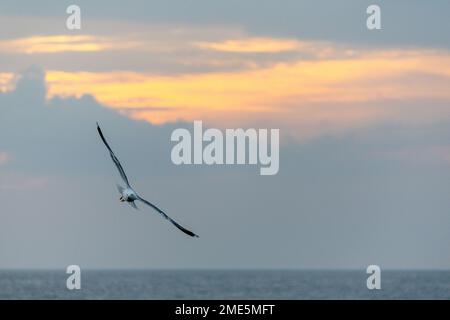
x,y
364,134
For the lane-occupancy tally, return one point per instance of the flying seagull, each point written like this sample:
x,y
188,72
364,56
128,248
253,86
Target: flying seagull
x,y
129,195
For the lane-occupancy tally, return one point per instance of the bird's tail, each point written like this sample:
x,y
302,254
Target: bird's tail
x,y
133,205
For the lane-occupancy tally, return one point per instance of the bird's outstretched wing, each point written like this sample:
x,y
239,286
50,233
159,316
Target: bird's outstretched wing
x,y
190,233
113,157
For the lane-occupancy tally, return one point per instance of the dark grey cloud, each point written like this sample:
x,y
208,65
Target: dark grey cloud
x,y
416,23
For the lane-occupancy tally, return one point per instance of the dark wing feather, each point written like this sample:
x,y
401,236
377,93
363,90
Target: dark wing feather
x,y
190,233
113,157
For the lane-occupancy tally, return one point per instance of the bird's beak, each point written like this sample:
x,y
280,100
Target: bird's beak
x,y
121,199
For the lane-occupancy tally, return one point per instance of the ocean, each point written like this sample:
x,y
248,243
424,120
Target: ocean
x,y
229,284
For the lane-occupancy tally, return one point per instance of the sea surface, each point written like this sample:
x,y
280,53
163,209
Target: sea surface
x,y
237,284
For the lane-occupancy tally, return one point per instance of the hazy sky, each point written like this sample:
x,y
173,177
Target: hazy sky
x,y
364,118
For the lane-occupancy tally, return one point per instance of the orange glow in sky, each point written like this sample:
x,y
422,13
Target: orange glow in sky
x,y
299,85
325,85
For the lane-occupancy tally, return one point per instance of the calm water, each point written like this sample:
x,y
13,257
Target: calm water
x,y
224,285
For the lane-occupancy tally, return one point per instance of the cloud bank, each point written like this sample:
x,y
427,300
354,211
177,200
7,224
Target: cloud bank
x,y
338,201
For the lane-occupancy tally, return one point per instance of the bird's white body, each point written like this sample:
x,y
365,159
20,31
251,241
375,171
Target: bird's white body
x,y
128,195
